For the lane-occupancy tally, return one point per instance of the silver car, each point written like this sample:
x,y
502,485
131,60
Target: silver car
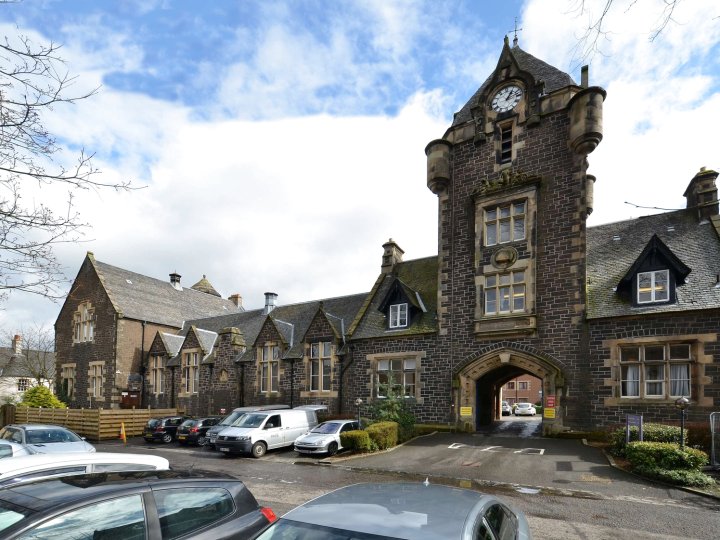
x,y
324,438
524,409
420,511
45,439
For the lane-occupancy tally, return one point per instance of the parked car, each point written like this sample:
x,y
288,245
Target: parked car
x,y
409,511
163,429
12,449
524,409
45,439
505,408
194,430
201,505
324,438
36,466
213,432
257,432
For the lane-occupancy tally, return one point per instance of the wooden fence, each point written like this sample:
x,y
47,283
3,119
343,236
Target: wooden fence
x,y
94,424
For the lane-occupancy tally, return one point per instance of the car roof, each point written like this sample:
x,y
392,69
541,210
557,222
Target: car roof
x,y
10,467
414,511
48,493
37,426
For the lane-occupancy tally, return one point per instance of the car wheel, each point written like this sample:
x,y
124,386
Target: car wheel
x,y
167,438
258,450
201,441
332,448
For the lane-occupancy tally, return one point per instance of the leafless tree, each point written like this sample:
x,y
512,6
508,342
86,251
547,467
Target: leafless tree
x,y
597,30
37,357
33,81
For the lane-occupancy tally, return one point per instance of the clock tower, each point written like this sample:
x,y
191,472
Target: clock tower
x,y
513,188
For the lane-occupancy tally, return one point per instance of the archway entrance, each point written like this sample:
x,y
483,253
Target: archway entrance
x,y
481,377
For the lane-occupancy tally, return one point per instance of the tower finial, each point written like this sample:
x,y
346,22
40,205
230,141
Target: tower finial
x,y
515,31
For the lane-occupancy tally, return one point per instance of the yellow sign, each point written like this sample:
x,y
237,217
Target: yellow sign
x,y
549,412
465,411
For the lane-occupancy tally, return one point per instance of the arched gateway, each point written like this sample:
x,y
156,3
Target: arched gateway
x,y
481,375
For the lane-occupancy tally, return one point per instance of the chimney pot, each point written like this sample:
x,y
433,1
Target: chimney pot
x,y
236,299
392,255
175,280
17,344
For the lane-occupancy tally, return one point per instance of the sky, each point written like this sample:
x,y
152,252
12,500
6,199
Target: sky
x,y
278,144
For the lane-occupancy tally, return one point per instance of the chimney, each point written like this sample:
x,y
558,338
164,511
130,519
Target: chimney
x,y
270,298
236,299
702,193
392,255
175,281
17,344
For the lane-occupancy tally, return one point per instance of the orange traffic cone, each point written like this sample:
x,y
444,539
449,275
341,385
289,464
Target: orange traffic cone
x,y
122,433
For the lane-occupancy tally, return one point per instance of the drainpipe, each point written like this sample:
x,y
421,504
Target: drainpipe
x,y
142,366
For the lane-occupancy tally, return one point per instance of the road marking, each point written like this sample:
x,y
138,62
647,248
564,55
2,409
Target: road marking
x,y
490,448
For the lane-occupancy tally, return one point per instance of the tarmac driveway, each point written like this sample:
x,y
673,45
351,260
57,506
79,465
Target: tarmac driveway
x,y
531,463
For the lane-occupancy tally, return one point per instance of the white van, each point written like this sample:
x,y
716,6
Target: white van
x,y
212,433
257,432
36,466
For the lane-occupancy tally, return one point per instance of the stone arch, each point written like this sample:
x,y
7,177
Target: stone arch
x,y
480,375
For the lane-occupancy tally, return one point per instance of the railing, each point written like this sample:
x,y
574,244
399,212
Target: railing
x,y
94,424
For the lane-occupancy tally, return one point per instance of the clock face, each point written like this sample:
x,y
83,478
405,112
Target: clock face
x,y
506,98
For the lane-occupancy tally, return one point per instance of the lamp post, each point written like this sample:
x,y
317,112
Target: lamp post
x,y
682,404
358,403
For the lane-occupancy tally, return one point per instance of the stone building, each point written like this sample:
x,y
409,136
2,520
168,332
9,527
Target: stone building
x,y
613,320
107,324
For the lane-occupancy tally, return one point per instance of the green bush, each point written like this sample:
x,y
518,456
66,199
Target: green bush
x,y
699,435
383,434
356,441
395,408
651,433
664,456
41,396
682,477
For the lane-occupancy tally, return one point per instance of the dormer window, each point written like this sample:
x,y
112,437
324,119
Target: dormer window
x,y
398,315
653,286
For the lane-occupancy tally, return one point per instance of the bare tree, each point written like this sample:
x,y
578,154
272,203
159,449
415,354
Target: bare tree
x,y
36,358
33,81
597,30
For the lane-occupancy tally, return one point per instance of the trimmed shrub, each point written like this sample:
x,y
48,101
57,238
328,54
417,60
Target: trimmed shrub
x,y
664,456
394,408
383,434
356,441
41,396
699,435
681,477
651,433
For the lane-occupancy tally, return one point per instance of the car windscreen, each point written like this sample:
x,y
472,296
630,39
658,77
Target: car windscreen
x,y
326,427
49,435
286,528
153,422
250,420
11,514
230,419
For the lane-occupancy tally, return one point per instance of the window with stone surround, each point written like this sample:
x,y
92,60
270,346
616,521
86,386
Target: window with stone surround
x,y
96,379
321,366
67,377
190,381
655,370
505,293
397,374
23,384
84,323
505,223
506,143
269,359
523,385
157,373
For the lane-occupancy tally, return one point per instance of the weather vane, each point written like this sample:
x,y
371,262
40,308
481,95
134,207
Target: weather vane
x,y
515,39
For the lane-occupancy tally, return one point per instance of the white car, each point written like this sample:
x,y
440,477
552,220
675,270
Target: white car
x,y
35,466
324,438
524,409
12,449
45,439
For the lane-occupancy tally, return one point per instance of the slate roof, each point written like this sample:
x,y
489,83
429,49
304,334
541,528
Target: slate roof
x,y
148,299
339,311
416,276
13,366
693,242
553,78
